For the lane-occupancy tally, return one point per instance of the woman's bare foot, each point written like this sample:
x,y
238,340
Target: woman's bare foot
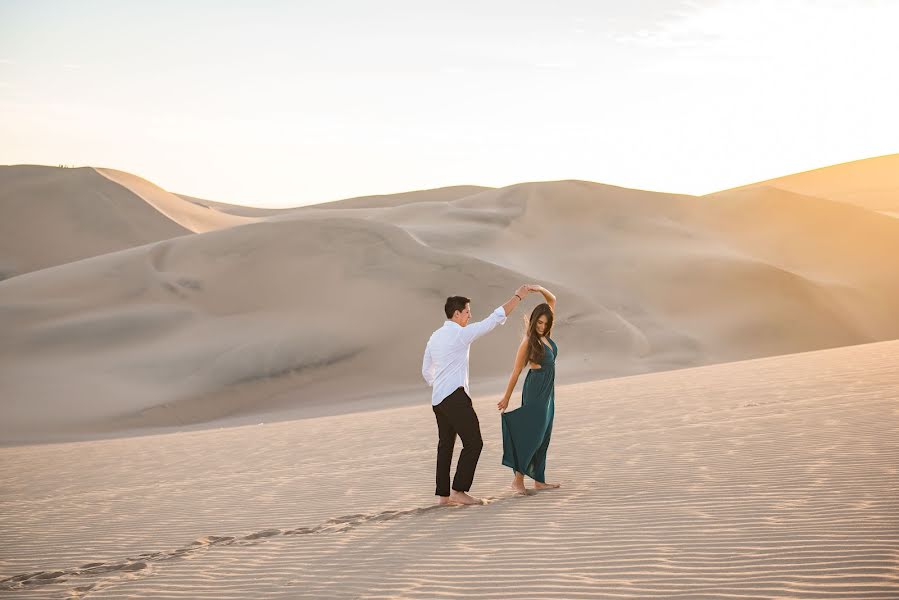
x,y
445,501
546,486
518,485
463,498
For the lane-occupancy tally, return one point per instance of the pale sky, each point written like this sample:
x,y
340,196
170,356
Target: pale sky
x,y
289,103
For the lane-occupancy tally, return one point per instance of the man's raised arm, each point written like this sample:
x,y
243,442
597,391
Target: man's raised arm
x,y
473,331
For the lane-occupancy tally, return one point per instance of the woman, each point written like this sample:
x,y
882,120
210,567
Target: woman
x,y
526,430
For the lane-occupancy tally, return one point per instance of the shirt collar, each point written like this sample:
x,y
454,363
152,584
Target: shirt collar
x,y
449,323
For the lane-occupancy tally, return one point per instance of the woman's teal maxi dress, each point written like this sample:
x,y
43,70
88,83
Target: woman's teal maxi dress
x,y
526,430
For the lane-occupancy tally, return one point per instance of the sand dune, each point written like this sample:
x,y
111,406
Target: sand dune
x,y
291,314
772,478
444,194
232,209
379,201
702,281
872,183
52,216
196,218
201,327
212,329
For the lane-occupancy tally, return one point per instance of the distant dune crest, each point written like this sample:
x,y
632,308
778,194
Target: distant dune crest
x,y
872,183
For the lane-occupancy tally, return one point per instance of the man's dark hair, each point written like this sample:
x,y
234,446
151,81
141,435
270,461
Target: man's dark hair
x,y
454,303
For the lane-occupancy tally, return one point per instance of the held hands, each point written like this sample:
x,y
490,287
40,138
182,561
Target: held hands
x,y
502,405
527,289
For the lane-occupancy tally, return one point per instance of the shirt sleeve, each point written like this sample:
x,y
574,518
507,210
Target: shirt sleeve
x,y
427,366
473,331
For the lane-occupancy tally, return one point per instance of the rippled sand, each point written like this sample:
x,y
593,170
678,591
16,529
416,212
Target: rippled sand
x,y
771,478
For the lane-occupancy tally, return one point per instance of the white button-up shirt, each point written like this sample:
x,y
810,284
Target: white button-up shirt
x,y
445,365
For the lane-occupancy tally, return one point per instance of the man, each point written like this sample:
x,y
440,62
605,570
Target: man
x,y
445,368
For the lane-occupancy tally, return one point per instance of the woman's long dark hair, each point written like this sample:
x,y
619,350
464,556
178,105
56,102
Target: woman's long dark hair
x,y
536,347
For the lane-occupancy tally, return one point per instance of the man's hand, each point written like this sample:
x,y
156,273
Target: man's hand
x,y
509,306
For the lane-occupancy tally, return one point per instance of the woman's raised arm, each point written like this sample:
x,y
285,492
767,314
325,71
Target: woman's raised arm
x,y
548,295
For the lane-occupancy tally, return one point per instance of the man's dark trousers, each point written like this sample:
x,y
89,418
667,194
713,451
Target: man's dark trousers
x,y
455,415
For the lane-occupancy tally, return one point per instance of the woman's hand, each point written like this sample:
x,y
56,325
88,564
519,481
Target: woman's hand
x,y
503,404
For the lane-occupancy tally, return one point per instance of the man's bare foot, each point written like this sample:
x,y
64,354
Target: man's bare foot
x,y
546,486
463,498
445,501
518,486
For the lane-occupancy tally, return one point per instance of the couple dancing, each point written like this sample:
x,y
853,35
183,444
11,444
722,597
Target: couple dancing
x,y
526,430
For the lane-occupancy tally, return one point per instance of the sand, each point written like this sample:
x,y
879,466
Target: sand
x,y
205,400
198,219
293,312
870,183
771,478
51,216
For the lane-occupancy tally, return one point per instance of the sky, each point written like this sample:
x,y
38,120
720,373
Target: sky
x,y
277,104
